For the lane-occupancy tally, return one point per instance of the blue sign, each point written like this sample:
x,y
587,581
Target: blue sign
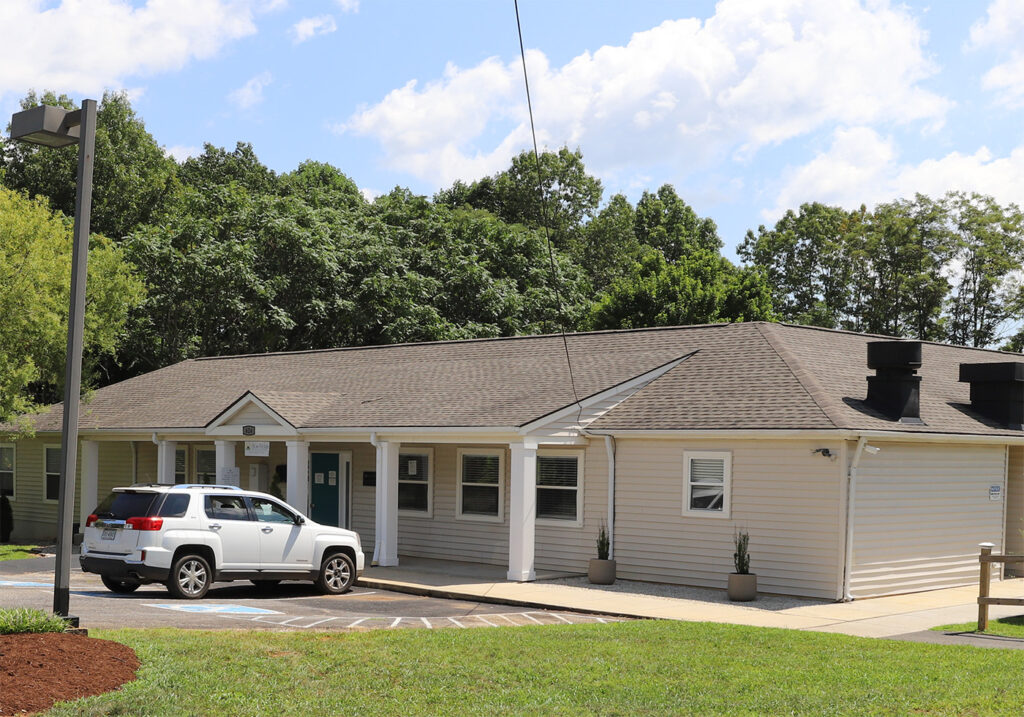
x,y
215,609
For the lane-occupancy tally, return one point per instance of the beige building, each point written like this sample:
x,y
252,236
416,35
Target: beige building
x,y
852,481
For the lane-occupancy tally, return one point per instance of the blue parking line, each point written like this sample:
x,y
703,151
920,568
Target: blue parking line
x,y
215,609
21,584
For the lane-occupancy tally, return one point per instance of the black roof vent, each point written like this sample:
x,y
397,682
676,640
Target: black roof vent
x,y
997,390
895,389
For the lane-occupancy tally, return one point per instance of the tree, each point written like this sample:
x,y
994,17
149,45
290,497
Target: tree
x,y
609,245
132,176
667,223
35,271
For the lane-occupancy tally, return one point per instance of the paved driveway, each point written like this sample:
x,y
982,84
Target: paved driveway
x,y
291,606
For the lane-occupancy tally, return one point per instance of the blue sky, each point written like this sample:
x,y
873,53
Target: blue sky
x,y
748,108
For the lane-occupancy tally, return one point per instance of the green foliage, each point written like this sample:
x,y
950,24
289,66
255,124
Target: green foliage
x,y
35,270
603,543
666,222
18,620
741,558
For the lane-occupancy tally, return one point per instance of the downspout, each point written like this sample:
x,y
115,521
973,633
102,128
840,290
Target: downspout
x,y
851,496
376,501
609,446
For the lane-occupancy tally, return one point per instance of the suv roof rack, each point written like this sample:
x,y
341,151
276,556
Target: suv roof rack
x,y
178,486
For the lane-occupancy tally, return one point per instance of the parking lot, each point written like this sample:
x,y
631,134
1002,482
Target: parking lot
x,y
290,606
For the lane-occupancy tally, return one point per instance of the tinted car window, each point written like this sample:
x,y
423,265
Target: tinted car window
x,y
121,506
174,506
226,507
267,511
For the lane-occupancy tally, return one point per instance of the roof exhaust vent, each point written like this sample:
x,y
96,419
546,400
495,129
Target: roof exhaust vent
x,y
997,390
895,389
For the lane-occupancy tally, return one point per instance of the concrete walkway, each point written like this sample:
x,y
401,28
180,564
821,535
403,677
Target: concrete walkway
x,y
876,617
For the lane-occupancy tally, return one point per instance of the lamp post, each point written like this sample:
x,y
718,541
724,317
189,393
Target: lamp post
x,y
57,127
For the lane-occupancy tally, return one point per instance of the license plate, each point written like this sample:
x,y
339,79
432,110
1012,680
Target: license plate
x,y
108,534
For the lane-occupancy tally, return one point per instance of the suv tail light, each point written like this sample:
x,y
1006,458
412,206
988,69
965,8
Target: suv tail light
x,y
90,520
146,523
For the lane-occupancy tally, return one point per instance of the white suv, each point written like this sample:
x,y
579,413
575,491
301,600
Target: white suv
x,y
188,536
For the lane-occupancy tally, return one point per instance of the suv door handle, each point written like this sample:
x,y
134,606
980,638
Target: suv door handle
x,y
215,526
267,530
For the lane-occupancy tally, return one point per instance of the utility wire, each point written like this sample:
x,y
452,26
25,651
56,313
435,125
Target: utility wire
x,y
544,221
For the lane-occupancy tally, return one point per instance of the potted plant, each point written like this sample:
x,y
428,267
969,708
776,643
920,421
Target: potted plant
x,y
602,570
742,583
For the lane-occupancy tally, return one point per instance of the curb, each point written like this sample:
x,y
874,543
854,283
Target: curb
x,y
426,591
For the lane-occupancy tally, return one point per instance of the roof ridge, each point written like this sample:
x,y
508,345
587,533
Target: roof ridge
x,y
864,334
807,380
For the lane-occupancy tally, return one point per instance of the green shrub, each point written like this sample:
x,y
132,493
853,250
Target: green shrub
x,y
22,619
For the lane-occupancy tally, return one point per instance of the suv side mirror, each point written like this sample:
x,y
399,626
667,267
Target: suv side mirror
x,y
299,520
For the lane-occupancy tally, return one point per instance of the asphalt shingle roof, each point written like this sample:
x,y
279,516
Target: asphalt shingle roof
x,y
740,376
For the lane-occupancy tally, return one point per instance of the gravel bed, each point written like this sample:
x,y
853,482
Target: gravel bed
x,y
683,592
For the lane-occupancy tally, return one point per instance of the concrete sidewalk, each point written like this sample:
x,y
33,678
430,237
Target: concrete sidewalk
x,y
876,617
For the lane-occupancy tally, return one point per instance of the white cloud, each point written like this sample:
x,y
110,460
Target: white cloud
x,y
686,92
861,166
309,27
181,152
348,5
87,46
1002,29
251,93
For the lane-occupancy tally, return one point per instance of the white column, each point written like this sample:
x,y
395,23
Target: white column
x,y
165,461
297,491
89,454
522,511
225,457
385,549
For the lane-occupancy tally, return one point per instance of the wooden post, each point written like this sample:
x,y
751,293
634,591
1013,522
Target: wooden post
x,y
983,587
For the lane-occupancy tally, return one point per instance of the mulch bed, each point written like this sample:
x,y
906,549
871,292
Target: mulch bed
x,y
37,670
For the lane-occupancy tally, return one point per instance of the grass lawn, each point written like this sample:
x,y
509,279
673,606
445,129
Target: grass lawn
x,y
16,552
1007,626
642,667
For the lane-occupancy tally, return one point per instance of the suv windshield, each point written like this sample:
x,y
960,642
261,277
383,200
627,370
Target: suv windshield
x,y
121,506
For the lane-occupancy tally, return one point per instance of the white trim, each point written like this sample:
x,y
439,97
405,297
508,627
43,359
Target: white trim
x,y
578,454
408,450
248,398
596,398
500,453
14,470
806,434
726,510
47,446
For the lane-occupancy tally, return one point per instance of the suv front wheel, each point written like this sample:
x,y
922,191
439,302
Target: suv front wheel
x,y
337,573
190,577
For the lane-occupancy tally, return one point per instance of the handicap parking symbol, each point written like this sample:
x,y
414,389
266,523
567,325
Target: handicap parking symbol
x,y
208,609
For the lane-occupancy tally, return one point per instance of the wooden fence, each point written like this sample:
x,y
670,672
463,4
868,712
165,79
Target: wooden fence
x,y
986,559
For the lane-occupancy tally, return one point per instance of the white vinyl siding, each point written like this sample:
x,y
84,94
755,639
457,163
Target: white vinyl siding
x,y
785,496
481,484
921,510
706,484
1015,507
8,460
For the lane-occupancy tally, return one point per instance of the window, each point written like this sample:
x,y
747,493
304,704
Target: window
x,y
267,511
180,466
7,470
206,466
51,472
707,483
226,507
481,491
559,486
174,506
414,482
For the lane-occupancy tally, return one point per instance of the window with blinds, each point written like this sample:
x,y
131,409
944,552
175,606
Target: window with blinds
x,y
206,465
180,466
707,483
51,469
480,484
7,471
414,482
558,487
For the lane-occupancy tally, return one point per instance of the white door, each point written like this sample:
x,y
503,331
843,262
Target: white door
x,y
230,527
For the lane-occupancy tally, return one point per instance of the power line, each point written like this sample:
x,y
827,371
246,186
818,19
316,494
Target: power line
x,y
544,221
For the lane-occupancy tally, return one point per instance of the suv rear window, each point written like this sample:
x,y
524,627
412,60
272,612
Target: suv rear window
x,y
175,505
121,506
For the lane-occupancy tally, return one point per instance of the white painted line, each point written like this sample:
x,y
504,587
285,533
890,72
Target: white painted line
x,y
602,620
427,622
327,619
459,624
291,619
531,617
395,623
481,617
362,619
510,620
555,614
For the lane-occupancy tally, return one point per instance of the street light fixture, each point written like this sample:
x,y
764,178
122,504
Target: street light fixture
x,y
57,127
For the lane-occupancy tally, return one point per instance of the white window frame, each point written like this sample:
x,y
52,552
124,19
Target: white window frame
x,y
14,470
184,474
726,458
195,463
563,453
46,447
429,453
500,453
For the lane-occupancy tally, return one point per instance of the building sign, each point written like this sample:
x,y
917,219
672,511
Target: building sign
x,y
230,475
257,448
995,492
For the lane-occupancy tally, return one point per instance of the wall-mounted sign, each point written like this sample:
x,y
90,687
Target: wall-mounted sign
x,y
248,430
995,492
257,448
230,475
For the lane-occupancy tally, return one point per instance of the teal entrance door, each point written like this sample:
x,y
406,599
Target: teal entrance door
x,y
325,491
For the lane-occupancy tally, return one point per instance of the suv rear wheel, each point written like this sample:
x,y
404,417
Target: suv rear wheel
x,y
337,573
122,587
190,577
